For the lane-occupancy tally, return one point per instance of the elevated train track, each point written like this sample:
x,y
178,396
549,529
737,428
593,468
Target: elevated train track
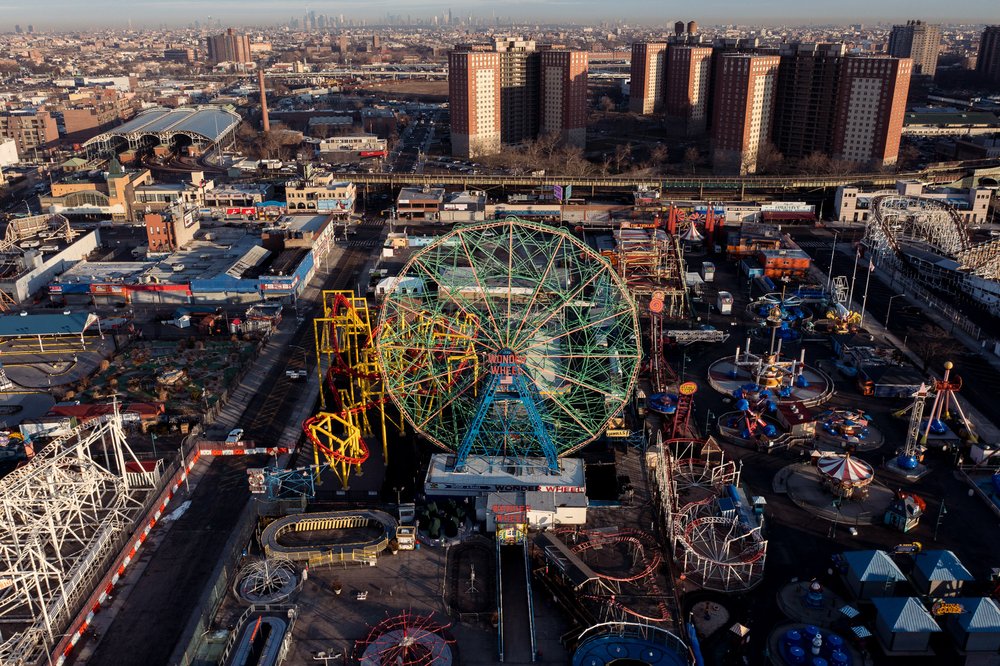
x,y
939,174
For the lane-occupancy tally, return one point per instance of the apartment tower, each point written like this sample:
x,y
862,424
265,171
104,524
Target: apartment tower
x,y
745,92
918,41
988,60
229,47
808,81
686,86
870,105
519,110
474,94
563,98
646,88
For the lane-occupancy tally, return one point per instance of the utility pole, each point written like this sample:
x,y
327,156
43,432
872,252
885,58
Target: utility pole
x,y
941,513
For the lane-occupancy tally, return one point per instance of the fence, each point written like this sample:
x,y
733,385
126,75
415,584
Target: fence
x,y
918,293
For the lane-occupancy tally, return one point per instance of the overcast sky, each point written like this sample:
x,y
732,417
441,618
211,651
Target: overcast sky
x,y
88,13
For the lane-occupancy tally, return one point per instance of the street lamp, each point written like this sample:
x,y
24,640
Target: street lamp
x,y
833,253
888,310
152,436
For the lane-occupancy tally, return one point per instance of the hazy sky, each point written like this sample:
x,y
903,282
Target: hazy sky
x,y
87,13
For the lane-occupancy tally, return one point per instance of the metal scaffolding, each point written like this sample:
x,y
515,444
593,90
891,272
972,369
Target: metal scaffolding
x,y
63,517
651,262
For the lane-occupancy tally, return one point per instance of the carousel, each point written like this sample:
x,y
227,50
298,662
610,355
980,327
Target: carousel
x,y
845,476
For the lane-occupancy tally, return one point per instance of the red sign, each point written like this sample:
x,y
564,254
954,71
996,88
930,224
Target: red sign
x,y
510,513
241,211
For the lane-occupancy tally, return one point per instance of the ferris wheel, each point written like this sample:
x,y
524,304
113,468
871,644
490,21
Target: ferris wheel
x,y
509,338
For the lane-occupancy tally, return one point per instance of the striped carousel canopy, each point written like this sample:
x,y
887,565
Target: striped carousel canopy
x,y
845,469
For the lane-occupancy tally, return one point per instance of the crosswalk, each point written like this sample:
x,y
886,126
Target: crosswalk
x,y
369,242
373,222
812,244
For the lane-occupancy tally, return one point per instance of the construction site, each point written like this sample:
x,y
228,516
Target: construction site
x,y
538,447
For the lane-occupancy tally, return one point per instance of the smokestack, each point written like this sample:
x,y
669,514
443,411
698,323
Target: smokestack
x,y
265,121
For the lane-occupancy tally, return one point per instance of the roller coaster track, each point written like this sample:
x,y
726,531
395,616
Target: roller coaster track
x,y
344,340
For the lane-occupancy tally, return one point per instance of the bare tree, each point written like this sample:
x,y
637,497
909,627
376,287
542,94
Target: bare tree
x,y
814,164
692,158
605,104
769,158
622,157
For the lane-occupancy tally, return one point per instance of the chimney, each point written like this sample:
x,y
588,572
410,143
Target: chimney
x,y
265,121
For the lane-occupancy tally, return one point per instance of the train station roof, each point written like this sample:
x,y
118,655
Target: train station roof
x,y
206,122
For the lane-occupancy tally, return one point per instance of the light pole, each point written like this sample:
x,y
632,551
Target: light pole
x,y
152,437
888,310
833,253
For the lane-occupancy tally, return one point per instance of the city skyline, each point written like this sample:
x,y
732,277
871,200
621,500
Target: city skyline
x,y
73,14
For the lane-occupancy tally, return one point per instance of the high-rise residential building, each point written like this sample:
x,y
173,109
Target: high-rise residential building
x,y
686,86
646,88
229,47
988,60
34,130
474,101
870,106
918,41
745,91
181,55
808,81
519,66
563,104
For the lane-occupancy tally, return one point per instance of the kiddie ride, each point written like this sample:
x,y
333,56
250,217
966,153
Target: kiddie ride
x,y
749,424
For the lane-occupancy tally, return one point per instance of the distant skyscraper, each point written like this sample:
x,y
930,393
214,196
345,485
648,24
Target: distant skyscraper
x,y
988,60
646,88
686,86
17,29
918,41
808,82
229,47
745,90
563,95
474,101
871,103
519,71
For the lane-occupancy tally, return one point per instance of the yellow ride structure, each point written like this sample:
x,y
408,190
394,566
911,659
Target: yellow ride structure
x,y
350,386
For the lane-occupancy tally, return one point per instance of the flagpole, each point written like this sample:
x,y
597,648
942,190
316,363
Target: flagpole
x,y
864,300
854,276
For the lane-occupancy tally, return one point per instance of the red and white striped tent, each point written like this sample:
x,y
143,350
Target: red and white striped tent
x,y
845,470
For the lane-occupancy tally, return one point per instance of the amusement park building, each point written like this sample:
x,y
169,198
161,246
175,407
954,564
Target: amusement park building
x,y
111,194
233,269
321,192
852,204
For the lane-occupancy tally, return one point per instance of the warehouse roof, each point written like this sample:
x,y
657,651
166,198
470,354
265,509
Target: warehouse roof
x,y
13,326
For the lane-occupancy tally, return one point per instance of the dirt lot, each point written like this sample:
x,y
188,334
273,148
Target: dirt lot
x,y
420,88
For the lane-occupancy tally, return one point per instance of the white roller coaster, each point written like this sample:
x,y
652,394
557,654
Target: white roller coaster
x,y
722,553
63,517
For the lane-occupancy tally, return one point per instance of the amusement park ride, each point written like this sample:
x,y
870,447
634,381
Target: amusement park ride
x,y
519,347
